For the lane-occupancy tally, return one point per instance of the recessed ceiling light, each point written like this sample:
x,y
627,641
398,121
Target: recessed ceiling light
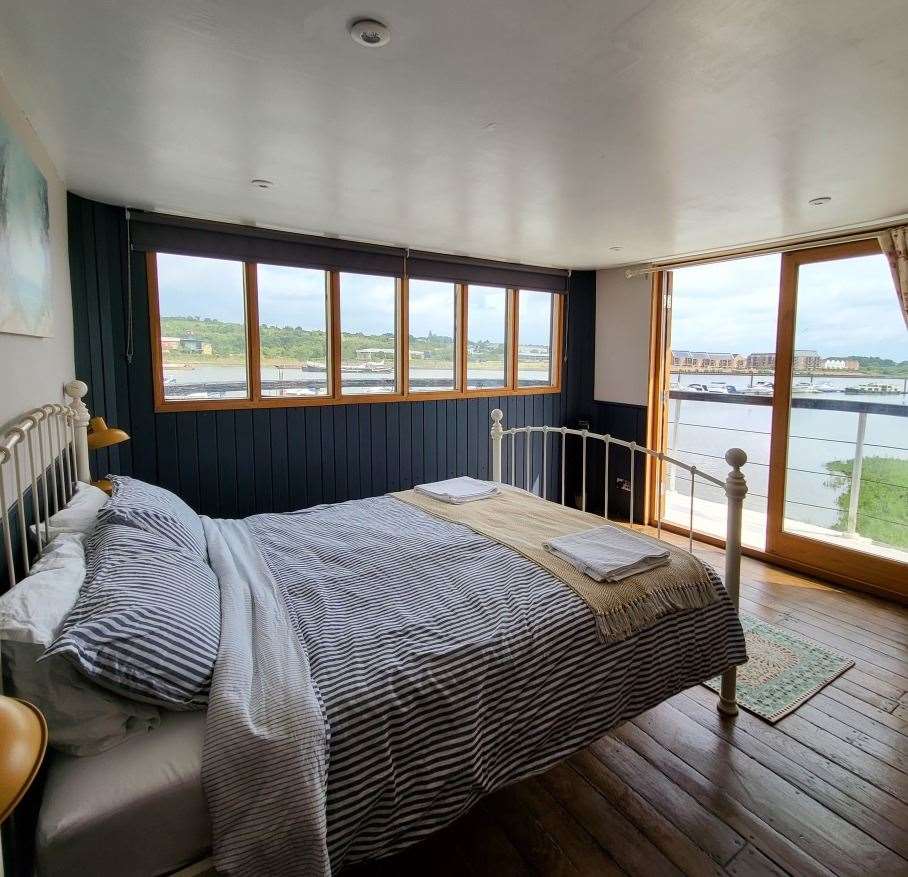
x,y
615,249
371,33
819,202
262,184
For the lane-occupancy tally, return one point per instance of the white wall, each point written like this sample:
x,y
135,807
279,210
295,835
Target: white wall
x,y
622,337
33,370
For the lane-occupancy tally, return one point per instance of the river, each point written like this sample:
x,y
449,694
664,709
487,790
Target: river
x,y
705,430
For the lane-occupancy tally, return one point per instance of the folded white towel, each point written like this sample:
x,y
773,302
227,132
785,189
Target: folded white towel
x,y
608,554
459,490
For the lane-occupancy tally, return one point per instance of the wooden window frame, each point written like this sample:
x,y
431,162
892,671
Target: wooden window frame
x,y
862,572
254,399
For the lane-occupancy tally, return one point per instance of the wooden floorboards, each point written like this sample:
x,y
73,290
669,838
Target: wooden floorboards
x,y
683,790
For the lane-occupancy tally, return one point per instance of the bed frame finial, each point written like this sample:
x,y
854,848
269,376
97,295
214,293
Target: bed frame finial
x,y
735,491
76,390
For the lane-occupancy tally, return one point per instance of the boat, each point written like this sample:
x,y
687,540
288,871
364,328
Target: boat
x,y
874,388
762,388
370,367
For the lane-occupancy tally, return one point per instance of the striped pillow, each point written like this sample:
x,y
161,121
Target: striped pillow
x,y
155,510
146,623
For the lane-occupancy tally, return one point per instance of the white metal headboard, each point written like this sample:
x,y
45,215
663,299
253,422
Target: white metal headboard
x,y
45,453
734,485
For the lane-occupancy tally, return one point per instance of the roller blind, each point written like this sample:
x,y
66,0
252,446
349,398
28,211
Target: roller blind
x,y
437,266
159,232
222,240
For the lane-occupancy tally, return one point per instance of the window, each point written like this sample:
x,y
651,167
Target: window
x,y
432,333
535,337
487,334
202,328
368,324
293,330
243,334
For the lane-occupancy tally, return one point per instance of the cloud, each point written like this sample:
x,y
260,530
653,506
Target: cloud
x,y
845,307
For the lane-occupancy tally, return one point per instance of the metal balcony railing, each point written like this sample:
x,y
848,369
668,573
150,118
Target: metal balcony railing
x,y
861,408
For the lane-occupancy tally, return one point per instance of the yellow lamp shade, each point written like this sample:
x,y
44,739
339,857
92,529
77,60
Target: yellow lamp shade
x,y
23,739
100,435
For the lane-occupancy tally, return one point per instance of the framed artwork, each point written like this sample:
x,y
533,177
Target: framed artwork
x,y
25,266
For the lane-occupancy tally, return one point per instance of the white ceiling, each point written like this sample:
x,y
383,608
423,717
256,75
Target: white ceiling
x,y
544,131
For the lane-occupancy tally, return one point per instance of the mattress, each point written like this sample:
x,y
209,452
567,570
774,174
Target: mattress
x,y
137,809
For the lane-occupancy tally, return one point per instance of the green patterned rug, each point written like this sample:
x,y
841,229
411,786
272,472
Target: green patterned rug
x,y
783,670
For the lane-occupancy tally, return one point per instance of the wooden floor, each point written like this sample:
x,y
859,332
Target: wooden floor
x,y
681,790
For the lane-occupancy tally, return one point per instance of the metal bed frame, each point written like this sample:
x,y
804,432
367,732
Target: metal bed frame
x,y
734,485
47,453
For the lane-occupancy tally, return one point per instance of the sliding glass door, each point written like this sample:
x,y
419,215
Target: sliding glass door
x,y
838,491
800,358
720,322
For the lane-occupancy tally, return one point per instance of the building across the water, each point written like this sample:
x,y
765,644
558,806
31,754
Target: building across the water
x,y
696,360
803,360
848,365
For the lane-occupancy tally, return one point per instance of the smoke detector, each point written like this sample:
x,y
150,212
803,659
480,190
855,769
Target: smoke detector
x,y
370,33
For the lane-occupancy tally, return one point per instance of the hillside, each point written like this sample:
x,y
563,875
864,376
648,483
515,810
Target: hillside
x,y
293,343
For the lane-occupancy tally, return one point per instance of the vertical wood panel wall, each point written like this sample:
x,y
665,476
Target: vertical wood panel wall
x,y
237,463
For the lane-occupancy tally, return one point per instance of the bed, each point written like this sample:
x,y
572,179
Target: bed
x,y
380,669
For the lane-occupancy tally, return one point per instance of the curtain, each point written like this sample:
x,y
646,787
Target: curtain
x,y
894,244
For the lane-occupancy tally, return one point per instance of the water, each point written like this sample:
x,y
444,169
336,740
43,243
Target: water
x,y
705,430
218,374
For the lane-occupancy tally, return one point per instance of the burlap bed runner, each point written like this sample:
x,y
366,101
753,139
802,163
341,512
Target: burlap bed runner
x,y
523,522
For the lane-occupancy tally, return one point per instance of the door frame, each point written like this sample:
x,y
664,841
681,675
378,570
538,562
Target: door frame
x,y
881,573
859,571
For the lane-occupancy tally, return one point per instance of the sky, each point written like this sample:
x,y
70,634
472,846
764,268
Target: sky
x,y
846,307
191,286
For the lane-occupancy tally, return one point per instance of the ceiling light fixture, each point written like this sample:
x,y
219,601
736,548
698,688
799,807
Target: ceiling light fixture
x,y
819,202
616,249
370,33
262,184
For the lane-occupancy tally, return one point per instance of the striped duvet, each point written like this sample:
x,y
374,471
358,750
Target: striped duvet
x,y
380,670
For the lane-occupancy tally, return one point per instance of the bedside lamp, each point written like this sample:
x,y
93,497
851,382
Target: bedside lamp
x,y
23,739
100,435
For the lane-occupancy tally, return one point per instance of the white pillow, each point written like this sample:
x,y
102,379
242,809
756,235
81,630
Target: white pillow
x,y
79,515
82,718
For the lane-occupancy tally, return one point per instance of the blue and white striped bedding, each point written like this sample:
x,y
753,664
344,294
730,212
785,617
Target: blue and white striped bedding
x,y
147,619
156,510
380,670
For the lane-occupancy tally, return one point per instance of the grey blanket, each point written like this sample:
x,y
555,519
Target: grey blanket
x,y
265,760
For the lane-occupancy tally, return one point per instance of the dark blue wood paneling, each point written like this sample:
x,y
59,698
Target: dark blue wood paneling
x,y
245,464
236,463
188,459
628,423
392,447
280,485
207,443
262,454
341,455
296,458
225,450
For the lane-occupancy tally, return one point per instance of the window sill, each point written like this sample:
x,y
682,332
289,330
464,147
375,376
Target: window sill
x,y
174,405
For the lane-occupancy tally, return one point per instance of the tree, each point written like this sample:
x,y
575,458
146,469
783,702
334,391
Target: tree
x,y
883,501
